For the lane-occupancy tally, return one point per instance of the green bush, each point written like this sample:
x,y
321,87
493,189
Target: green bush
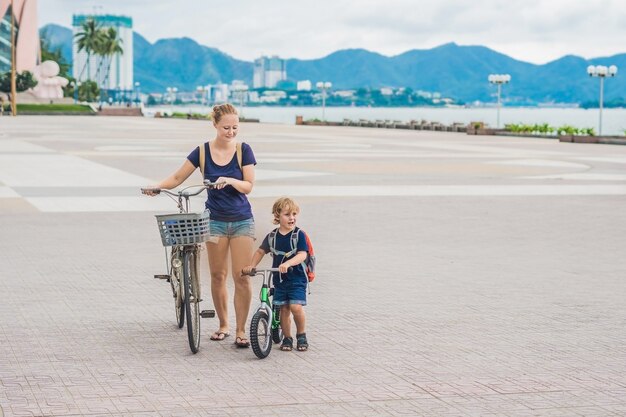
x,y
53,108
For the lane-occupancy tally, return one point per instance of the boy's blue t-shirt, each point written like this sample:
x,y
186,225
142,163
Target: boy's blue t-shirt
x,y
227,204
283,244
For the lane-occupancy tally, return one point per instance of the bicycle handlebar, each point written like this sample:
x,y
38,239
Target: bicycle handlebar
x,y
207,185
255,271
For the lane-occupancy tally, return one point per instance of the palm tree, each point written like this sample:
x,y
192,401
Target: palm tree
x,y
88,39
110,46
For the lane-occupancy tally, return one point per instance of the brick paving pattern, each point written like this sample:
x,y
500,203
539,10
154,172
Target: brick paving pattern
x,y
457,275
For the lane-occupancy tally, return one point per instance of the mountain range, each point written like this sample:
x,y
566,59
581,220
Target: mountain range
x,y
455,71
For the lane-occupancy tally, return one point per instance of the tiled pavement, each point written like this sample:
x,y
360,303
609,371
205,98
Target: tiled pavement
x,y
458,275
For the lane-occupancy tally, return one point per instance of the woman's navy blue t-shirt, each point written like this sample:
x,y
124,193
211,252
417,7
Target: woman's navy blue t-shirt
x,y
227,204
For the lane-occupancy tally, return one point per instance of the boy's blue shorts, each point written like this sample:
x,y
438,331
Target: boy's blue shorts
x,y
290,291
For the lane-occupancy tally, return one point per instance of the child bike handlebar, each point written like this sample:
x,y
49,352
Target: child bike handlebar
x,y
255,271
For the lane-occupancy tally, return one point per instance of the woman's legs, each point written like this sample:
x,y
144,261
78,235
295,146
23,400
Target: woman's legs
x,y
241,253
218,266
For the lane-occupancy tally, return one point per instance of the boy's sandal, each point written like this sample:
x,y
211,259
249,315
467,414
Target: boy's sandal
x,y
303,344
287,344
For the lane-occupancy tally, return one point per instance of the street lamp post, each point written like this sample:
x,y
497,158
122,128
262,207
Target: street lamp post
x,y
324,85
137,93
499,79
601,72
171,94
13,63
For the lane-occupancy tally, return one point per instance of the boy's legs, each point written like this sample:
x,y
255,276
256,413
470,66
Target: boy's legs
x,y
285,320
298,317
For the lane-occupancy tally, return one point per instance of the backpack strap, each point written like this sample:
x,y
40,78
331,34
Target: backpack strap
x,y
239,156
239,152
271,240
202,159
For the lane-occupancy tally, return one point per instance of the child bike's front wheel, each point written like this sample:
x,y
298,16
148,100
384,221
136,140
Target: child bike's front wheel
x,y
260,337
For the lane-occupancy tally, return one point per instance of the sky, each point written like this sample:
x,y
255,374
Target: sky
x,y
536,31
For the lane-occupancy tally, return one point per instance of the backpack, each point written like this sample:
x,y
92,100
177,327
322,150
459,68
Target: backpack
x,y
203,157
309,263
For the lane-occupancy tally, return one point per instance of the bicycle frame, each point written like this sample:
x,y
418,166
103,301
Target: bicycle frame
x,y
264,295
182,267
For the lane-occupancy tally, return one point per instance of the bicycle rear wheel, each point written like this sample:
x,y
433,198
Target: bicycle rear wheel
x,y
260,337
192,299
177,288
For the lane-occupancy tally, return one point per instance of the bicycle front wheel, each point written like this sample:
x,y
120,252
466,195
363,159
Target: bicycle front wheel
x,y
192,299
177,288
260,337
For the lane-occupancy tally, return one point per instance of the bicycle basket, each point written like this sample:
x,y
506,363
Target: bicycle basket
x,y
183,228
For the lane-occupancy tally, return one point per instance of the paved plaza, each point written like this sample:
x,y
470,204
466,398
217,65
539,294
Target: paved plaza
x,y
457,275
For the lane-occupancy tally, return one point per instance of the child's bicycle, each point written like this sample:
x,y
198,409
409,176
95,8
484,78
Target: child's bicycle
x,y
184,232
265,324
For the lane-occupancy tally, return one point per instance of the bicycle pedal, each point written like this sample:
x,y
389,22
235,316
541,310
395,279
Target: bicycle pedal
x,y
207,313
165,277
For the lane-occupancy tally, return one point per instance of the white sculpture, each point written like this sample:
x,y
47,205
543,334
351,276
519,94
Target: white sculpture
x,y
49,84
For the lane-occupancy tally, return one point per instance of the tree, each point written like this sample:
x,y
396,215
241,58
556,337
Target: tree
x,y
48,54
89,39
87,90
23,81
111,45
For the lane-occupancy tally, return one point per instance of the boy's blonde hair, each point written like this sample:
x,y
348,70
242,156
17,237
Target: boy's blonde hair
x,y
283,203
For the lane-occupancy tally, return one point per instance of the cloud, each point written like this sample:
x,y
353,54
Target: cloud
x,y
533,30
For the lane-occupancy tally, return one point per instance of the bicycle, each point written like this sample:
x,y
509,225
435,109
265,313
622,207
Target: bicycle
x,y
184,232
265,323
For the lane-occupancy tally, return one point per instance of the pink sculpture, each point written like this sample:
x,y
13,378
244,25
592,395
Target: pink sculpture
x,y
27,49
49,84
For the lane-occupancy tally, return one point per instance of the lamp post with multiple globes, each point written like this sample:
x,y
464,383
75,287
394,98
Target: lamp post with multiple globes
x,y
601,72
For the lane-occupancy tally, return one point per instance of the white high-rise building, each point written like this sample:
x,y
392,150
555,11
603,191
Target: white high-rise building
x,y
268,71
113,72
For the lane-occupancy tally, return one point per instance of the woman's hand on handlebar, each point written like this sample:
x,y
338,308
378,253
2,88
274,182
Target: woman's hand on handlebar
x,y
222,182
248,270
151,191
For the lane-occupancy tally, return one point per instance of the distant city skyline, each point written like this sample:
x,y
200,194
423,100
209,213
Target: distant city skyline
x,y
536,31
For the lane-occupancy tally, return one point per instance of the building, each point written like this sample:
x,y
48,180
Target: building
x,y
304,85
26,32
110,73
268,71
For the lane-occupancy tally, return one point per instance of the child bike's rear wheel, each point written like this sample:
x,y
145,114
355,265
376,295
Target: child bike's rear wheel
x,y
191,301
260,338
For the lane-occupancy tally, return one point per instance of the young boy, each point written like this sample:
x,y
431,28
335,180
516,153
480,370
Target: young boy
x,y
289,287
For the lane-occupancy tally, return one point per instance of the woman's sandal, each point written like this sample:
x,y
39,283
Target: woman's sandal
x,y
219,336
287,344
303,344
242,342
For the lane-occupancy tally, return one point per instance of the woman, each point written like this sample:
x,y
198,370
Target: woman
x,y
231,215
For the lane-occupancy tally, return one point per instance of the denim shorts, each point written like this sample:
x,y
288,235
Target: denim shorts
x,y
232,229
290,291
